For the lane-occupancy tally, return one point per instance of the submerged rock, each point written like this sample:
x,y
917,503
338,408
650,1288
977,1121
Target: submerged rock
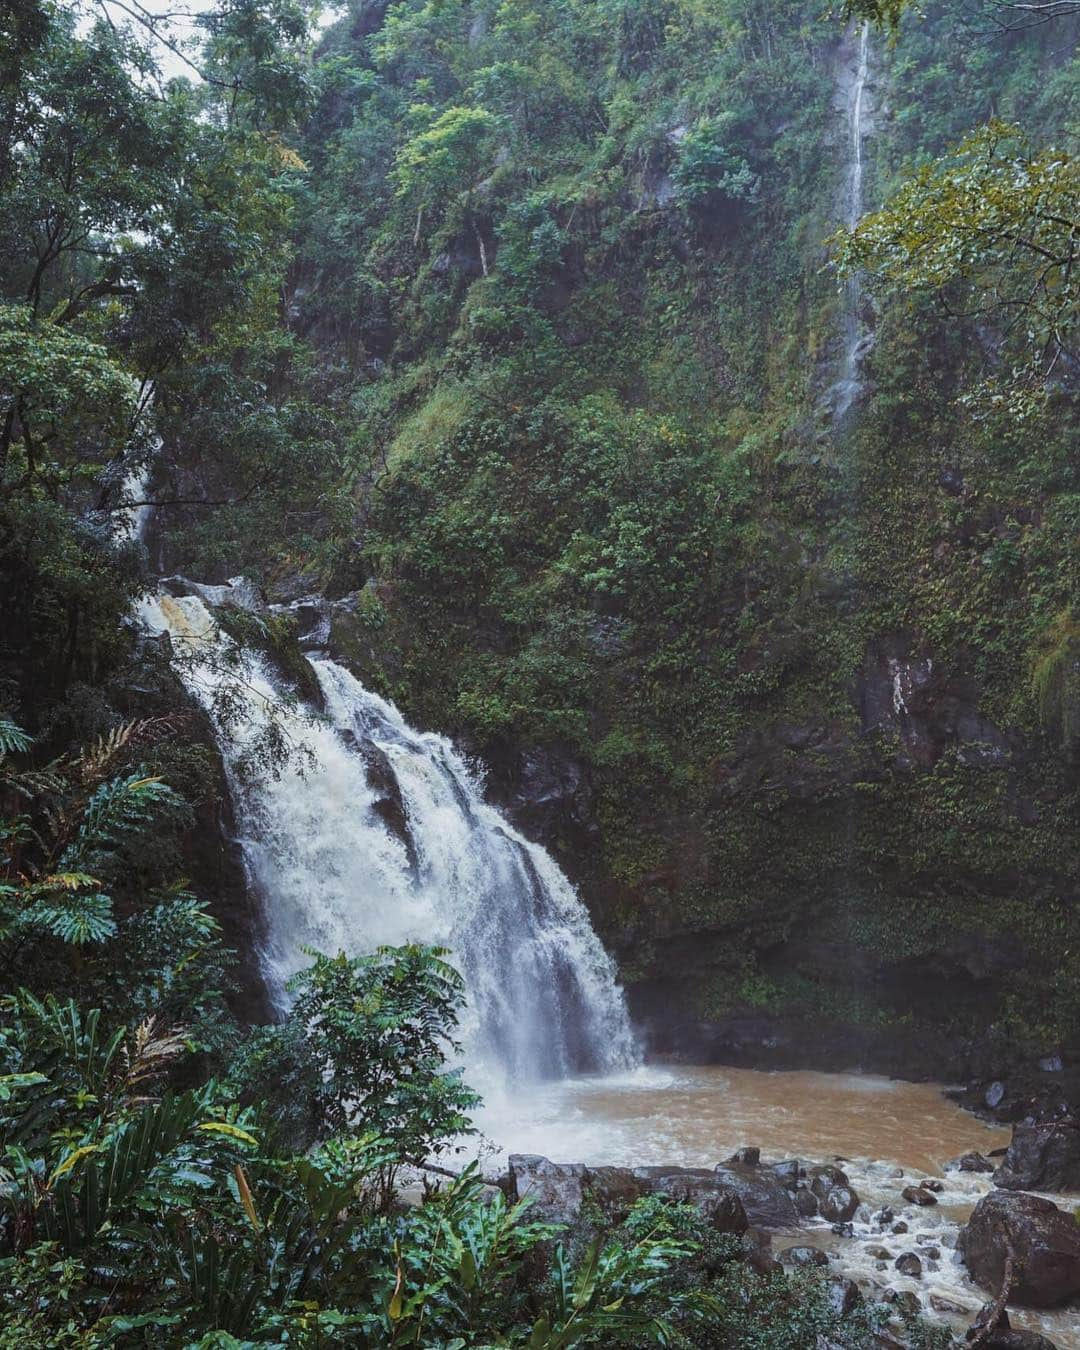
x,y
1042,1158
1044,1239
909,1264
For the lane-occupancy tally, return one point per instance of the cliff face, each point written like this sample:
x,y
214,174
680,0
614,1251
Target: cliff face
x,y
795,702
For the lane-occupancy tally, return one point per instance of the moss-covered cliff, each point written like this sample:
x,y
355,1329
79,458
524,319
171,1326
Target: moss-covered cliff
x,y
796,704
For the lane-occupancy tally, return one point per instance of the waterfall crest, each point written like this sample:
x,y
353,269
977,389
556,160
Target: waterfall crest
x,y
380,834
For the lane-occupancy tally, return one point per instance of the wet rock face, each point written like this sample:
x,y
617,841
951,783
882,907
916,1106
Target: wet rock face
x,y
1042,1158
901,691
547,795
1044,1239
559,1191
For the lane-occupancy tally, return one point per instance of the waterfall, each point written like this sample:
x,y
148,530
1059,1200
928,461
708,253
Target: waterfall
x,y
856,341
379,834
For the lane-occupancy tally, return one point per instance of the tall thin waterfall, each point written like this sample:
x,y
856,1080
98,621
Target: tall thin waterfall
x,y
856,339
380,834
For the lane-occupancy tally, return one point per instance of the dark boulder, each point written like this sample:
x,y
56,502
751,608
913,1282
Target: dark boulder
x,y
787,1173
805,1202
1044,1239
766,1201
837,1200
909,1264
919,1195
749,1155
839,1204
970,1162
1042,1158
1017,1340
824,1177
843,1295
804,1258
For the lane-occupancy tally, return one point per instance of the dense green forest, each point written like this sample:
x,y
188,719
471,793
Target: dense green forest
x,y
509,327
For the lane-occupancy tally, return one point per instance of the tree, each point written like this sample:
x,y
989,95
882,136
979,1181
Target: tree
x,y
438,166
380,1028
993,229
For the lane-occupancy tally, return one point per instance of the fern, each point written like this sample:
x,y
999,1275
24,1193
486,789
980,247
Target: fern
x,y
13,740
116,810
79,919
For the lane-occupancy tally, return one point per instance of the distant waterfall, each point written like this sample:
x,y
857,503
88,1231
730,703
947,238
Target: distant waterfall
x,y
383,836
855,338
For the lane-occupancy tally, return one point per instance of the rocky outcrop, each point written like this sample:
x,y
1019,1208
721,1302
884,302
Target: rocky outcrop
x,y
902,692
1043,1240
733,1195
1042,1158
767,1202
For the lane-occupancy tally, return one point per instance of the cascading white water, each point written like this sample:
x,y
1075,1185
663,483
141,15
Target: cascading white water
x,y
380,834
855,339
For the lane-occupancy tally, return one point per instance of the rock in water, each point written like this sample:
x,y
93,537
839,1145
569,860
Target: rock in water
x,y
837,1200
787,1173
909,1264
1042,1158
1046,1242
806,1202
970,1162
804,1258
749,1155
918,1195
839,1204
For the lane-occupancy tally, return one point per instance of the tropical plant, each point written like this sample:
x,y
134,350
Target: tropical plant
x,y
380,1029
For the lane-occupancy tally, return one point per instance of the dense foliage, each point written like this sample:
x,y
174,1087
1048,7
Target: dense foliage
x,y
569,263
